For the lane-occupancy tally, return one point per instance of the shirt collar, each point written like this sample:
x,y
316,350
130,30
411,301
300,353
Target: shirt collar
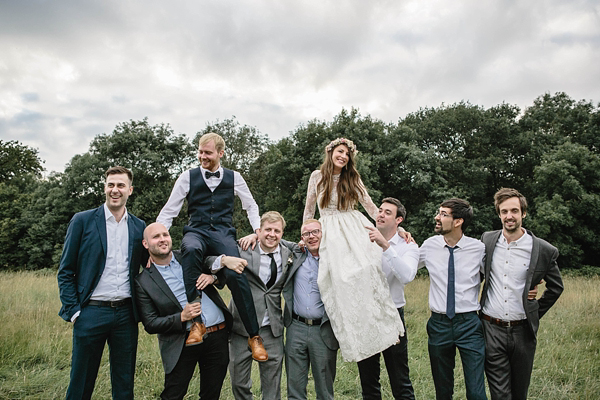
x,y
108,215
164,267
277,250
395,239
520,241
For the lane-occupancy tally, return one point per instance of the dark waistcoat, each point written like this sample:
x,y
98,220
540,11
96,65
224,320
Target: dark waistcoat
x,y
210,210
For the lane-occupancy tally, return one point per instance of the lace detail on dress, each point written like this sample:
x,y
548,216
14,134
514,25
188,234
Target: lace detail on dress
x,y
353,287
313,199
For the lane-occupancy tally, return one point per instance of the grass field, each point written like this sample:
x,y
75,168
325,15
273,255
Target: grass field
x,y
35,347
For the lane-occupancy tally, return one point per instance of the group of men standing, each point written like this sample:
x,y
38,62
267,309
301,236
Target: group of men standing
x,y
175,295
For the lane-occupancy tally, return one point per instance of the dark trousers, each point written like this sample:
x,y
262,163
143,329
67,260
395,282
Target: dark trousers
x,y
212,357
509,354
396,363
464,332
196,245
94,327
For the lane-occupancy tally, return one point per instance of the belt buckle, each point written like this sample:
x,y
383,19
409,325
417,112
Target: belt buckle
x,y
116,303
309,322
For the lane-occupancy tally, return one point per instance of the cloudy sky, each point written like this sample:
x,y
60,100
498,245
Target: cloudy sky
x,y
72,70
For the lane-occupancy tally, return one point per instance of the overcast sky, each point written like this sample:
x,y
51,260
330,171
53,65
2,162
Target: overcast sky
x,y
72,70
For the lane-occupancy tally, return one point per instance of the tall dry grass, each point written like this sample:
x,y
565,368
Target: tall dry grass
x,y
35,347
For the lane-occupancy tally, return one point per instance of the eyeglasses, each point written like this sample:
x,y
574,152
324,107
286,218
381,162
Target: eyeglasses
x,y
443,214
314,232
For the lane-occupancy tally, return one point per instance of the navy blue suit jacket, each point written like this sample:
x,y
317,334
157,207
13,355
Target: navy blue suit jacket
x,y
84,256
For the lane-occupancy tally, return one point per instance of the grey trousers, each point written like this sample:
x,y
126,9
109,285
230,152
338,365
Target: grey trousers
x,y
240,366
304,349
509,354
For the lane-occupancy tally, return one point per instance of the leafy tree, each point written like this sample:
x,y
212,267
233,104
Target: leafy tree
x,y
18,160
20,169
156,157
567,187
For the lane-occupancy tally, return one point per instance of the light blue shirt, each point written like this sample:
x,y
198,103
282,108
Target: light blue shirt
x,y
173,276
307,298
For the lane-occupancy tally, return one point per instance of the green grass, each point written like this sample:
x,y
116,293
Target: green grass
x,y
35,347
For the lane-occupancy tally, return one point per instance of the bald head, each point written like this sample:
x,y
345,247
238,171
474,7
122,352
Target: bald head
x,y
158,242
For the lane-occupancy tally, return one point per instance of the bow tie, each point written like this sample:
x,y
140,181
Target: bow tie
x,y
209,174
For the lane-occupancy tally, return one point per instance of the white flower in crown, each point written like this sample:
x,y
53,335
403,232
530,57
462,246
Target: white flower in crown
x,y
349,143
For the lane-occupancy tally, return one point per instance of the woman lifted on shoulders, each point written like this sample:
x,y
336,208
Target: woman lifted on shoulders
x,y
353,287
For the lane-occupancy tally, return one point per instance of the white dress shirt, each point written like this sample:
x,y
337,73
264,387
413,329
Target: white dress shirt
x,y
114,282
182,188
469,256
400,262
507,278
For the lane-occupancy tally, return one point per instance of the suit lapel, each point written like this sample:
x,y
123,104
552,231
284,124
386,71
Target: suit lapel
x,y
490,242
131,232
254,266
162,285
535,254
101,225
296,264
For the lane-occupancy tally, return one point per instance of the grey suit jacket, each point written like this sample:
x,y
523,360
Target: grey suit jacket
x,y
288,295
542,266
264,299
161,313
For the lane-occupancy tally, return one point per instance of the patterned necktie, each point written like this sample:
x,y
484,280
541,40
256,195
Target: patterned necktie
x,y
209,174
450,308
273,277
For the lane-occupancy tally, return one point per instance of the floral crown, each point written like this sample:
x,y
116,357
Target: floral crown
x,y
349,143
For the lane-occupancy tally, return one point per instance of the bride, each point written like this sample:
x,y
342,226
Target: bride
x,y
353,287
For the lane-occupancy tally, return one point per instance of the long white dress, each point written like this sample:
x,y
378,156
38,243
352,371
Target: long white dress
x,y
353,287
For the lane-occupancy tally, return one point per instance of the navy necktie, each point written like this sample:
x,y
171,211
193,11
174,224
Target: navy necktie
x,y
209,174
450,305
273,277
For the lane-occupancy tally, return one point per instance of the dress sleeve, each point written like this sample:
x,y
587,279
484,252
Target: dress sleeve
x,y
311,196
367,203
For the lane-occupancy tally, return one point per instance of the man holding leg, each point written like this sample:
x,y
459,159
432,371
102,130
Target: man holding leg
x,y
210,191
164,310
400,262
454,262
310,342
102,255
266,268
516,261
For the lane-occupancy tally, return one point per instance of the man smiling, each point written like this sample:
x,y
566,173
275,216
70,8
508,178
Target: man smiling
x,y
210,191
102,254
266,268
516,261
454,262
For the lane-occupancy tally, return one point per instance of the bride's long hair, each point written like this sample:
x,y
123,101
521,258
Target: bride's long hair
x,y
349,189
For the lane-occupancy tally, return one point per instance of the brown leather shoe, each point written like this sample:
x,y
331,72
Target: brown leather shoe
x,y
196,335
255,344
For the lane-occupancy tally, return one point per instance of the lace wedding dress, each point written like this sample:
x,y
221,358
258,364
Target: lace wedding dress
x,y
353,287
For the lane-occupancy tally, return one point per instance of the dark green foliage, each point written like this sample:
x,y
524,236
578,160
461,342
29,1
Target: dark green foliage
x,y
549,152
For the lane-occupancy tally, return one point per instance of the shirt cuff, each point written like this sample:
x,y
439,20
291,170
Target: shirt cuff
x,y
74,317
217,266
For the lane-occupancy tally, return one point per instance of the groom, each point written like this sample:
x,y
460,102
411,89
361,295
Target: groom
x,y
210,190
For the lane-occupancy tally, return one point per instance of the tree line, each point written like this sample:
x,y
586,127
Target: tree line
x,y
548,151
